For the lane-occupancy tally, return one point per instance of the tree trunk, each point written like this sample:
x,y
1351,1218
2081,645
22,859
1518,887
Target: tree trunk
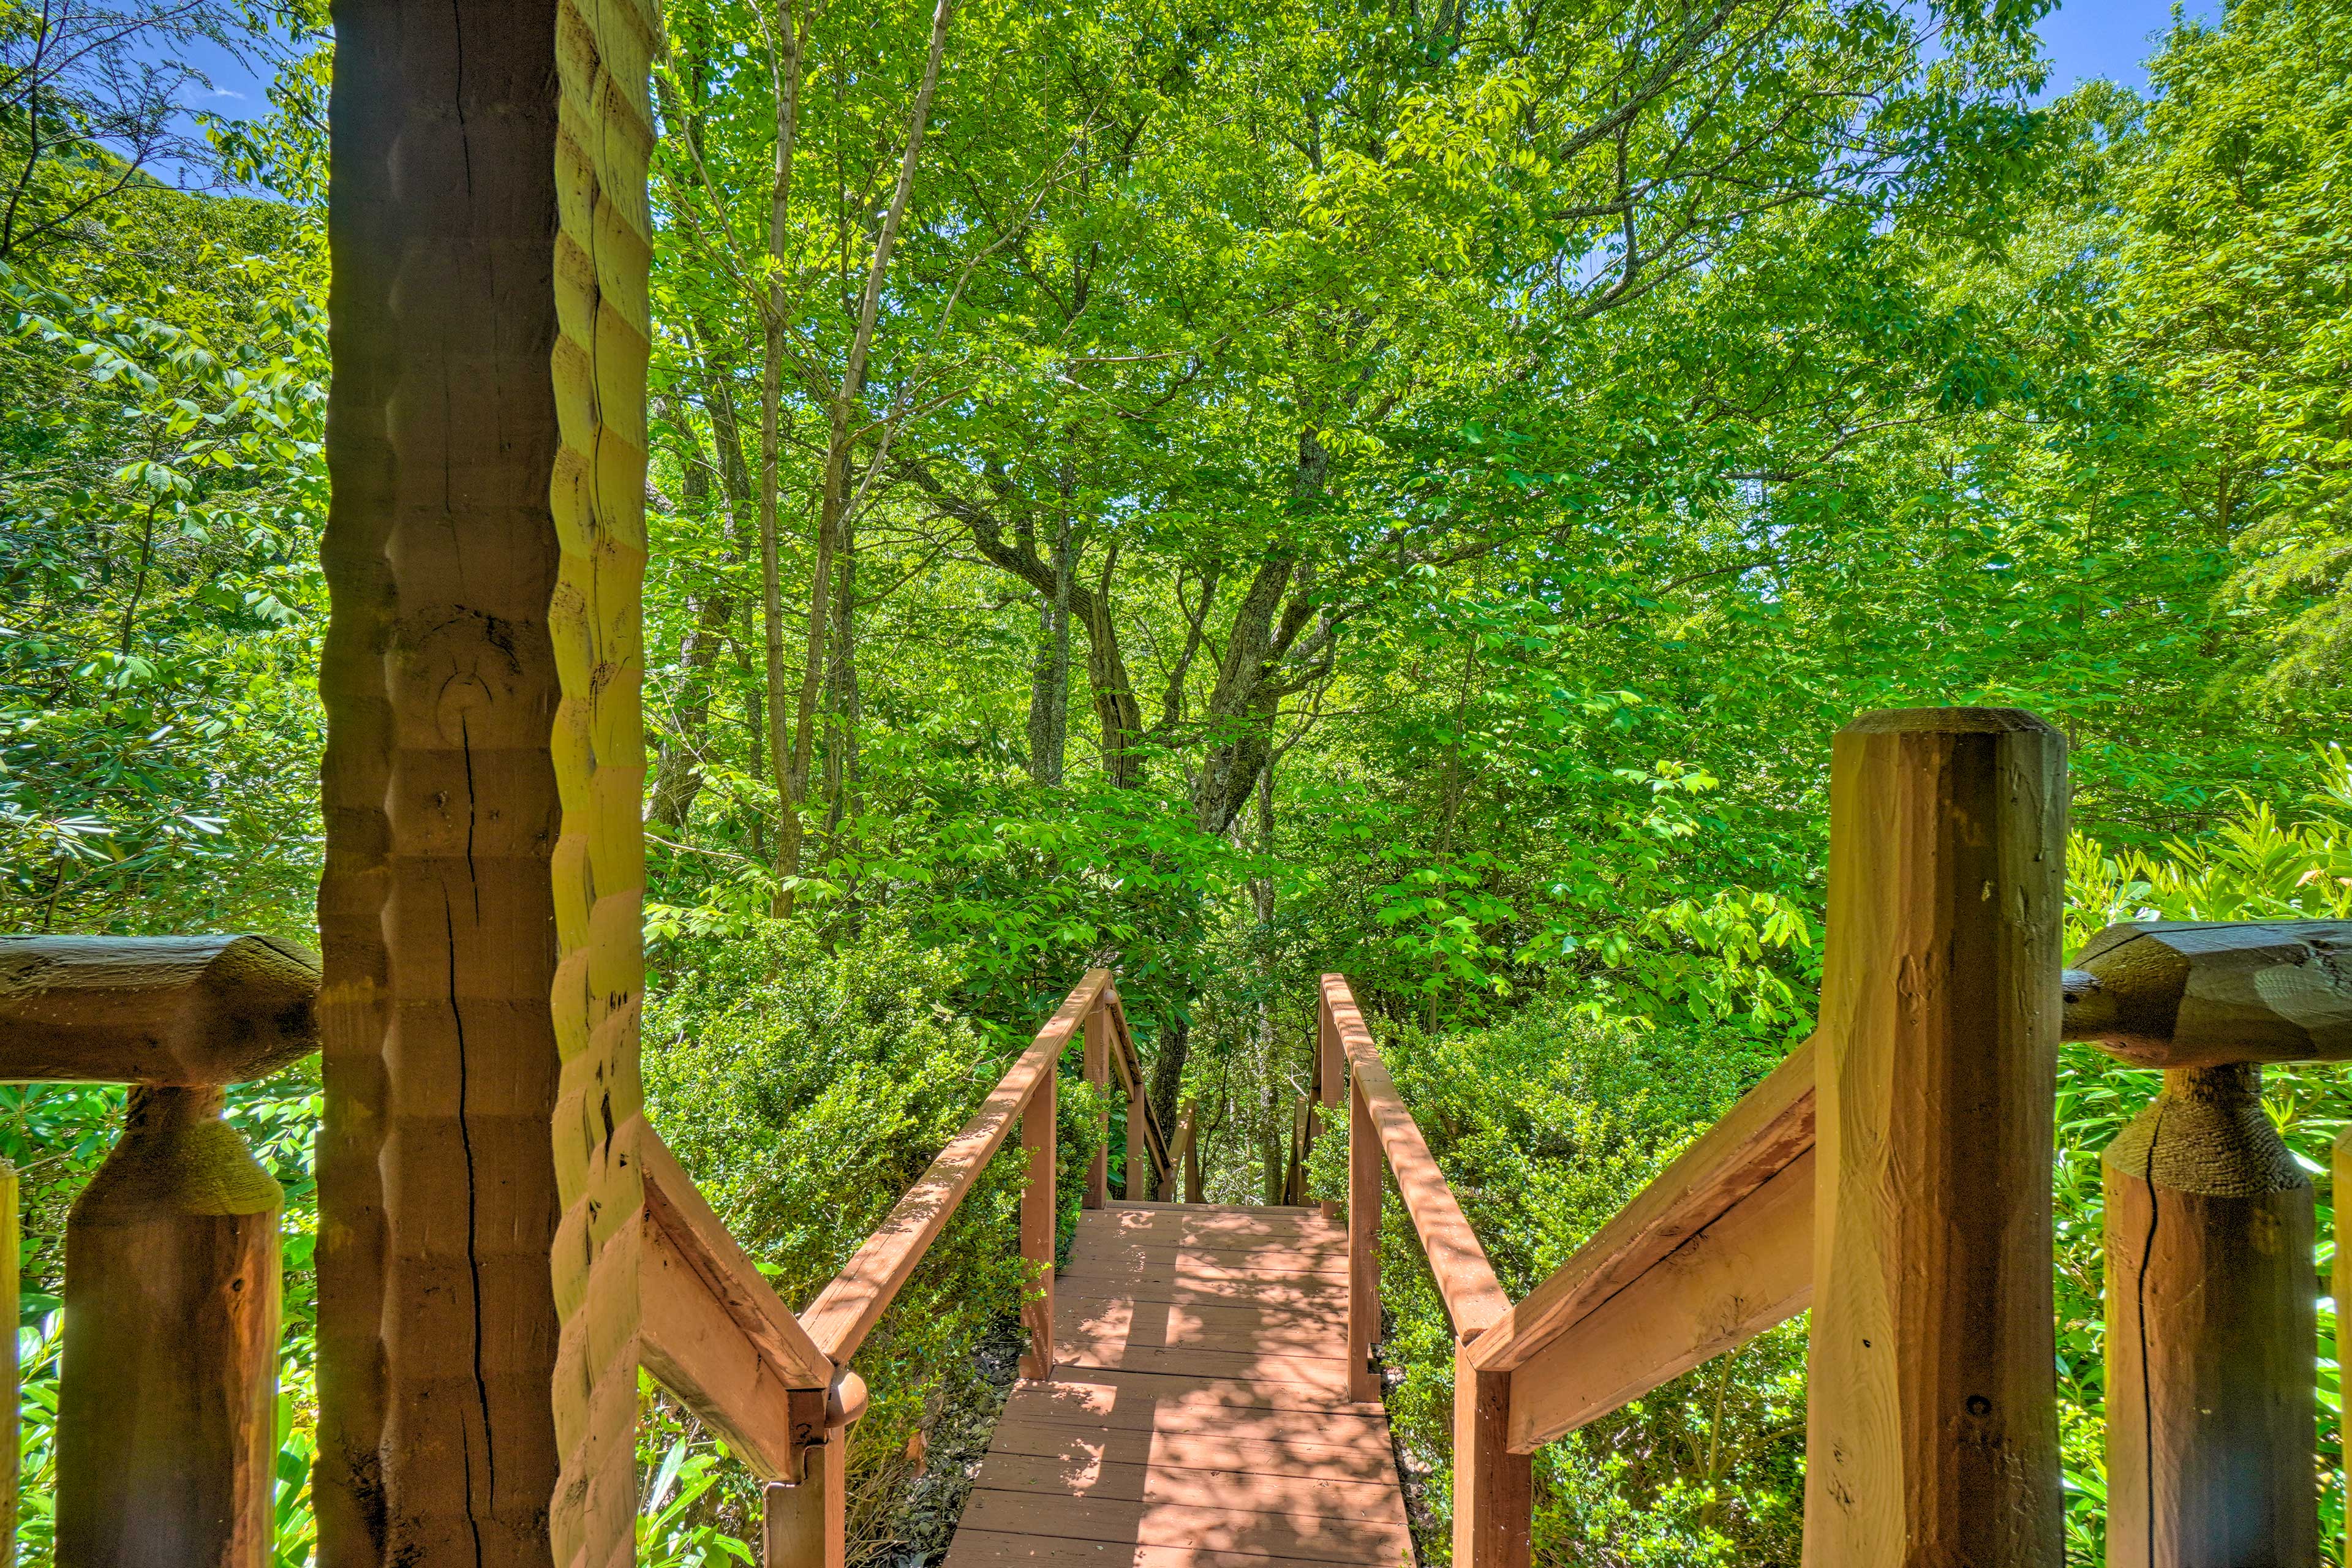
x,y
1049,683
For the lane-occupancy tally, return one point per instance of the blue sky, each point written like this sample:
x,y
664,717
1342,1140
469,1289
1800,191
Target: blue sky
x,y
2088,38
2084,39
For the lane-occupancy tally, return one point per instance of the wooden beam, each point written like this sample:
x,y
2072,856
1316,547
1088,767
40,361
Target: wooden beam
x,y
479,908
1473,1298
845,1314
155,1009
1749,1269
2187,993
1932,1436
1040,1213
1162,1155
1768,1129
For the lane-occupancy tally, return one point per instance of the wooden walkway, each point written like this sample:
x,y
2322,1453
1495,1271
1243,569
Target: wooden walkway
x,y
1198,1417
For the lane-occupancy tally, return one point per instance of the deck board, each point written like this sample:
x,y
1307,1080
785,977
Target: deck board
x,y
1198,1417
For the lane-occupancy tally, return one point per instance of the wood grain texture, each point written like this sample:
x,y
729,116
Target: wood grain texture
x,y
1364,1194
2177,993
2340,1273
1494,1488
675,1208
439,1189
1751,1269
2212,1334
846,1310
1168,1436
155,1009
11,1446
166,1433
1095,1069
1465,1281
1759,1137
1932,1438
603,247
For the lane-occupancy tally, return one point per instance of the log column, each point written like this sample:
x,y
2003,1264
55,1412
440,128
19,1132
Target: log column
x,y
1932,1439
167,1440
479,908
2211,1334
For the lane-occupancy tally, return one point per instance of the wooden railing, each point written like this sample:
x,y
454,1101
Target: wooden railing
x,y
166,1432
1893,1173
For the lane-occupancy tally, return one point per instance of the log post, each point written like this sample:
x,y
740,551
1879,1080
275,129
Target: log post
x,y
2340,1281
806,1522
1098,1073
480,902
1494,1488
2212,1334
11,1444
1037,1226
1363,1246
167,1408
1932,1438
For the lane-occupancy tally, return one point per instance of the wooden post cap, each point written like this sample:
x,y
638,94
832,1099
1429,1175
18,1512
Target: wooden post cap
x,y
155,1009
2183,994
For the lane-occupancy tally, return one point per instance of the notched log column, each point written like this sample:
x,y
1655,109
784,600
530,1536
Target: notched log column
x,y
2212,1334
479,907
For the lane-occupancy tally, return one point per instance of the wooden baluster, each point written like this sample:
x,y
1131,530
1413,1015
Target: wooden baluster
x,y
1138,1147
1330,1084
2212,1334
806,1524
1098,1073
1037,1223
1192,1193
1494,1488
1932,1440
166,1437
11,1447
1363,1246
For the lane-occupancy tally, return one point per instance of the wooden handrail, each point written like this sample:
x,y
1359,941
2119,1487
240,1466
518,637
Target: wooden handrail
x,y
714,1333
845,1314
1473,1298
1761,1136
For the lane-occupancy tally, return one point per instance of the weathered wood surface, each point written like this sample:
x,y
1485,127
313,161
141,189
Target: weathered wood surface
x,y
11,1447
478,909
155,1009
1096,1067
714,1333
1749,1269
1767,1130
2212,1334
845,1311
1465,1281
1182,1433
1365,1189
1932,1438
167,1406
2180,993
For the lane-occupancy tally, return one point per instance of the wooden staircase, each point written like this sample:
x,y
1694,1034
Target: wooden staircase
x,y
1199,1415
